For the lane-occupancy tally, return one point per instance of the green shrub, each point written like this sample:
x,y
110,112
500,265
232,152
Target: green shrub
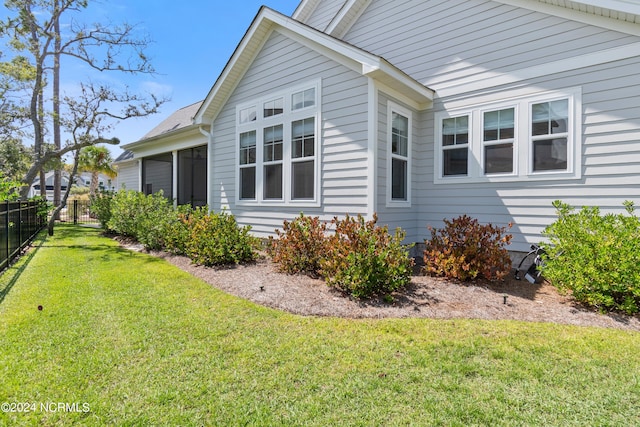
x,y
101,208
217,239
178,231
144,218
465,249
364,260
299,246
596,257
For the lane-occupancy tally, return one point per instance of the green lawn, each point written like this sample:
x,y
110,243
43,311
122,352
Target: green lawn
x,y
127,339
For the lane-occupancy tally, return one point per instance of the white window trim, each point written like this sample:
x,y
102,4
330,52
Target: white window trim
x,y
395,108
286,119
523,148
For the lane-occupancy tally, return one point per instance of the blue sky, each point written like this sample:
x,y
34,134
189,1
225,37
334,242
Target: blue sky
x,y
193,40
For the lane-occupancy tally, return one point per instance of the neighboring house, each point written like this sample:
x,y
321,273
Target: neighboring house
x,y
81,180
417,111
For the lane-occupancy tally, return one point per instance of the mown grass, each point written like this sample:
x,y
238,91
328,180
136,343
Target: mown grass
x,y
143,343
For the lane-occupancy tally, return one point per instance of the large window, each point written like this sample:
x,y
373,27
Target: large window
x,y
278,148
538,137
399,156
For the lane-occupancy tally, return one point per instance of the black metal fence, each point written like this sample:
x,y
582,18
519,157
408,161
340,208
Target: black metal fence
x,y
19,224
78,212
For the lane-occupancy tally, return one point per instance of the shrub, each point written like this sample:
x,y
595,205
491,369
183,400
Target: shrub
x,y
596,257
299,246
101,208
178,231
144,218
465,249
363,259
216,238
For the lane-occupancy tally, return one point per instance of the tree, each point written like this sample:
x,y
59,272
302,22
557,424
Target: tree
x,y
15,159
33,32
96,160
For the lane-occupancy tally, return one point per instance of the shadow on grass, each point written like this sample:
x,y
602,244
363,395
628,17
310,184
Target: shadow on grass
x,y
12,274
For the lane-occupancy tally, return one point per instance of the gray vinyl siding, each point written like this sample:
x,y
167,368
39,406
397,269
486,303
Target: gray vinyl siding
x,y
280,65
324,13
446,45
128,176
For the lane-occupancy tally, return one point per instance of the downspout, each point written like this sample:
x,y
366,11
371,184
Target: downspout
x,y
207,134
372,149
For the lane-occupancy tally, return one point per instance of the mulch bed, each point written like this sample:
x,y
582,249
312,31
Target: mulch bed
x,y
425,297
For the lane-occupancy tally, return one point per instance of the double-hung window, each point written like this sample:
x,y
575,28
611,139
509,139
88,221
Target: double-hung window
x,y
277,148
455,145
399,156
530,138
497,141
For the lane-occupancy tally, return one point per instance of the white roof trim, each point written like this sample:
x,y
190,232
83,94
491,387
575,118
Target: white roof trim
x,y
267,21
598,19
305,9
626,6
346,17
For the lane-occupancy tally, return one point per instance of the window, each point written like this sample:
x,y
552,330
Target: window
x,y
302,158
247,115
273,162
498,136
277,152
533,138
248,165
549,134
273,107
399,156
303,99
455,143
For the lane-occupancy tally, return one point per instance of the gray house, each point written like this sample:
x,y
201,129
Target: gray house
x,y
417,110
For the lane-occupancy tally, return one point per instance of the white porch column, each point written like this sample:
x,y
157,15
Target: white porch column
x,y
174,182
139,175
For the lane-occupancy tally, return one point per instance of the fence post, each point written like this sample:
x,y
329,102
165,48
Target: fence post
x,y
75,212
6,229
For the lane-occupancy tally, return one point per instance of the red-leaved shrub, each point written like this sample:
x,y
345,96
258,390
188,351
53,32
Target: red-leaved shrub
x,y
465,249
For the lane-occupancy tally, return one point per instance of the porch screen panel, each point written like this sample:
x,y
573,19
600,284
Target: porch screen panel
x,y
192,176
157,174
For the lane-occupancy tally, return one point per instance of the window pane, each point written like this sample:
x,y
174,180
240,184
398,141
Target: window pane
x,y
272,143
498,158
273,108
455,131
499,124
550,154
550,117
398,179
248,147
306,98
248,115
399,134
248,183
302,175
455,161
273,181
303,138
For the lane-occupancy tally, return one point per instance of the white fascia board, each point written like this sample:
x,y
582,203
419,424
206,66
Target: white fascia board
x,y
166,141
344,53
578,16
348,14
414,93
626,6
305,9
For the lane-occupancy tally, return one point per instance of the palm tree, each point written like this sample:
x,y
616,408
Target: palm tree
x,y
96,160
